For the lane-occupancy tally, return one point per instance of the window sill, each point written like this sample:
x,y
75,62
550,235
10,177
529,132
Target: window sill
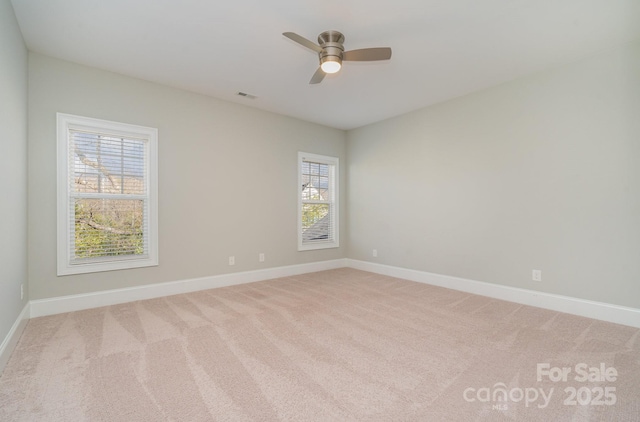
x,y
317,245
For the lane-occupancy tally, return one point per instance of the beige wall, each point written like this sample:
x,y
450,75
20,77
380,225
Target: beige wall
x,y
227,177
539,173
13,168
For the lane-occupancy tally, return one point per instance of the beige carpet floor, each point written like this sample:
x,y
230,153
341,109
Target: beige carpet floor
x,y
340,345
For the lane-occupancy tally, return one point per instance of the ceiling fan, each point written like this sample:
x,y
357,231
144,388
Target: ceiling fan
x,y
331,52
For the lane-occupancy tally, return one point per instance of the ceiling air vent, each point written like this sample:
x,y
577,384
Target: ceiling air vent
x,y
244,94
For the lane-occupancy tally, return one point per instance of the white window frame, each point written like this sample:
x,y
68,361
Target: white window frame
x,y
334,167
66,223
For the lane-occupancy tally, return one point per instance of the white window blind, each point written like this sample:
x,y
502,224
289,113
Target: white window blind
x,y
107,204
317,202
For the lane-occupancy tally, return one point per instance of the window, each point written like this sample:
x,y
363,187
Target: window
x,y
107,195
317,202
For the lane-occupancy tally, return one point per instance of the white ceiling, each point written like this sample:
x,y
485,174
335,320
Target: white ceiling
x,y
441,48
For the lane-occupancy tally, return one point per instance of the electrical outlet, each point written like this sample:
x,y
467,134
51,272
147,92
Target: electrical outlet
x,y
261,257
375,253
21,291
536,275
232,260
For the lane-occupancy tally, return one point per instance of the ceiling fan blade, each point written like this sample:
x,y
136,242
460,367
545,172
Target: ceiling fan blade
x,y
367,54
302,41
317,77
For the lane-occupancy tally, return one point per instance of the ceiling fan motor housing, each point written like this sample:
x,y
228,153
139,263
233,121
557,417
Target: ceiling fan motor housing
x,y
332,48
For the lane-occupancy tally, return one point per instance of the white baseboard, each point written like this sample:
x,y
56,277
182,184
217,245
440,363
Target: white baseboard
x,y
57,305
586,308
10,341
582,307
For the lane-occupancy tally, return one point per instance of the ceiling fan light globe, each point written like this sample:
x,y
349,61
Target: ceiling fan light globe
x,y
330,66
